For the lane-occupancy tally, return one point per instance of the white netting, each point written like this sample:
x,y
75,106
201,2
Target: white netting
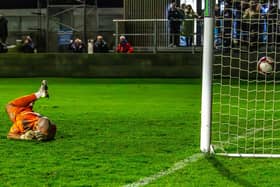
x,y
246,104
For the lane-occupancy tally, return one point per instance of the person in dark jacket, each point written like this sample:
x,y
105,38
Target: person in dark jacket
x,y
188,25
100,45
3,29
27,45
227,33
3,47
77,46
175,18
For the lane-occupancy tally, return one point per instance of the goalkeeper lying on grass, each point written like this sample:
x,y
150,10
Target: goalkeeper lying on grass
x,y
28,124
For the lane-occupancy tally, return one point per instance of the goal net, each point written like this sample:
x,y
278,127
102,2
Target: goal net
x,y
245,102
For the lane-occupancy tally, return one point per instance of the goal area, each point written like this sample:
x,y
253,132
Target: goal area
x,y
244,119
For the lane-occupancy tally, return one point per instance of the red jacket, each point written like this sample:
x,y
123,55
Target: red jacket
x,y
125,47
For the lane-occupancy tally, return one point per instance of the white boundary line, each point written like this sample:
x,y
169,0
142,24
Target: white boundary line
x,y
177,166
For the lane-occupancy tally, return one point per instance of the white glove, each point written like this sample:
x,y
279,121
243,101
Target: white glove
x,y
29,135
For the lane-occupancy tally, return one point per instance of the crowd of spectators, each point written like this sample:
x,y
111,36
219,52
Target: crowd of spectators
x,y
99,45
181,24
246,22
76,45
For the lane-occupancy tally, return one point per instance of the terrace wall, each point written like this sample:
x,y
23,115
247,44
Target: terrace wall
x,y
161,65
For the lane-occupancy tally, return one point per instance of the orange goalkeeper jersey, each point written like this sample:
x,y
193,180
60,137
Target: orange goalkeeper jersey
x,y
24,121
21,114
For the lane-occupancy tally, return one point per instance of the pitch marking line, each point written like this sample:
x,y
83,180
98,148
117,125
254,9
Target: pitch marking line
x,y
177,166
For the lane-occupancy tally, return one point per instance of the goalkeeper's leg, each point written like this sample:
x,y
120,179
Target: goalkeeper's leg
x,y
18,105
26,102
23,101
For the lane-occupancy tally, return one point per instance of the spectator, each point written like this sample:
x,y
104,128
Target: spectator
x,y
244,22
236,11
182,11
100,45
3,48
252,17
170,5
27,45
217,29
3,29
244,5
227,32
77,46
253,11
272,24
183,7
175,19
263,25
188,24
124,46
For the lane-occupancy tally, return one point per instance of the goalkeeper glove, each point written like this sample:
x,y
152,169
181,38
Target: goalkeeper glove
x,y
29,135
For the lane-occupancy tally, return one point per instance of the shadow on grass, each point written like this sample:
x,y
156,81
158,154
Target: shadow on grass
x,y
221,168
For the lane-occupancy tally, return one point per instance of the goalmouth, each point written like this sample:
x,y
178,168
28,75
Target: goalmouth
x,y
240,106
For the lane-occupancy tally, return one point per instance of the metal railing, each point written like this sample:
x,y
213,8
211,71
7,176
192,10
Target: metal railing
x,y
155,34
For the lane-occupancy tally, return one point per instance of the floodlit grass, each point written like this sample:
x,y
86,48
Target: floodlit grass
x,y
224,171
246,117
110,132
113,132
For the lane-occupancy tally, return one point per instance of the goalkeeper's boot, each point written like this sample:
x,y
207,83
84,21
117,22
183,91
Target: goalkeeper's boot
x,y
44,89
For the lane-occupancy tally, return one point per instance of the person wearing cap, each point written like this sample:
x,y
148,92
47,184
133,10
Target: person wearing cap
x,y
124,46
27,124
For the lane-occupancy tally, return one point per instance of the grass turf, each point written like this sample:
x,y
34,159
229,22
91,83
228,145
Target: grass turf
x,y
110,132
113,132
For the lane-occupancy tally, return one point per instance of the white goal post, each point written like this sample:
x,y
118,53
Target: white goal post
x,y
206,103
240,106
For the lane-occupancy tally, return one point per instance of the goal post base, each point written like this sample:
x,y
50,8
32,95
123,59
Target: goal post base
x,y
245,155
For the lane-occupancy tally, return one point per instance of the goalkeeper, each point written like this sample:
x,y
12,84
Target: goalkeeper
x,y
27,124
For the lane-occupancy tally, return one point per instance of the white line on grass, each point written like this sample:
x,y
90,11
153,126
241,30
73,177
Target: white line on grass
x,y
177,166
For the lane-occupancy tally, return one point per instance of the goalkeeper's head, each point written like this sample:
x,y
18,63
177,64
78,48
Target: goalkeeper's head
x,y
45,130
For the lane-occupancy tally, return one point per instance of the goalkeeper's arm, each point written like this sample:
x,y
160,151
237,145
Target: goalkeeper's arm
x,y
29,135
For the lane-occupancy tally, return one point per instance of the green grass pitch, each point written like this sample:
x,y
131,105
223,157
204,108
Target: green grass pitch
x,y
113,132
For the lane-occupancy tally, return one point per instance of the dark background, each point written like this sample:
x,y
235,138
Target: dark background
x,y
24,4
